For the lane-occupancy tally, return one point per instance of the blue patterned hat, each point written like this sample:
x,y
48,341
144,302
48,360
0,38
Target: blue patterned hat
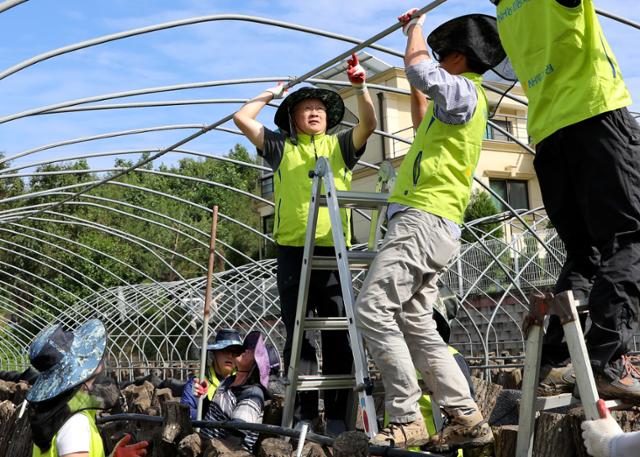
x,y
225,338
65,359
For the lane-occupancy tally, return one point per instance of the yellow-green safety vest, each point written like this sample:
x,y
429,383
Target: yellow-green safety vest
x,y
214,382
292,190
563,61
437,173
78,401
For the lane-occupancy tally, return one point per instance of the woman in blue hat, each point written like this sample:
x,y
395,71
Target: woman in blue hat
x,y
222,360
241,396
70,388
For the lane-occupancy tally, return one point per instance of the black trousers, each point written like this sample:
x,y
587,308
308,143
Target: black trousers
x,y
589,176
325,298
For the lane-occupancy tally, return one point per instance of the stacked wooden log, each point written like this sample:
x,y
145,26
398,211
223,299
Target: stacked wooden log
x,y
556,434
15,432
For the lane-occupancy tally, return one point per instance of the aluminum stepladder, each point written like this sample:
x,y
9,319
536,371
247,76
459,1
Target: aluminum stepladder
x,y
566,308
343,260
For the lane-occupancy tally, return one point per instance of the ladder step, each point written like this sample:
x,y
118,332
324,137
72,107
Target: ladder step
x,y
563,400
358,260
326,323
324,382
360,200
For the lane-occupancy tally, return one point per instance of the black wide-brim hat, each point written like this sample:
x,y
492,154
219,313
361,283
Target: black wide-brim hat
x,y
332,101
474,35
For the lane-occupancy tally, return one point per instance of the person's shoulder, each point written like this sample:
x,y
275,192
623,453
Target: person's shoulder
x,y
78,419
74,435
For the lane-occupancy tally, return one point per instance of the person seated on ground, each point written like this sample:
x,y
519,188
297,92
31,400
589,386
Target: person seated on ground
x,y
604,437
241,396
221,360
71,387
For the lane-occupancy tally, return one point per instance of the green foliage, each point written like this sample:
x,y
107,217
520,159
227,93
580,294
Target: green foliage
x,y
481,205
129,241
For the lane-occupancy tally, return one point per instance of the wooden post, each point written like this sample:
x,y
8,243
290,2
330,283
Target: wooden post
x,y
177,422
207,305
351,444
505,441
190,446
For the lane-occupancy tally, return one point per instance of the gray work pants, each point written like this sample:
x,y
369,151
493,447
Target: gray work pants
x,y
394,313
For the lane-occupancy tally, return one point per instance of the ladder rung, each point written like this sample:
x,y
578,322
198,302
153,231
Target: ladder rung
x,y
326,323
555,401
563,400
323,382
358,260
361,200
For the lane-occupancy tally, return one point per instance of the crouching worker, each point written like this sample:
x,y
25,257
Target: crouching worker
x,y
71,387
221,358
426,205
241,396
304,118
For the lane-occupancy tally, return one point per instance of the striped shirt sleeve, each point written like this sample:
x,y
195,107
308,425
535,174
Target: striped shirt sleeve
x,y
455,97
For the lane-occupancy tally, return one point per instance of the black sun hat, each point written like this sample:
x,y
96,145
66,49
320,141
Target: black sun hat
x,y
332,101
474,35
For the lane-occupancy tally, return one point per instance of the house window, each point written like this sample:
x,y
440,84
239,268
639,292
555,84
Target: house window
x,y
267,224
266,186
514,192
492,133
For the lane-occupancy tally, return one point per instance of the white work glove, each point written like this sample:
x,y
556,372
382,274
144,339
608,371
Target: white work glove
x,y
597,434
407,22
278,91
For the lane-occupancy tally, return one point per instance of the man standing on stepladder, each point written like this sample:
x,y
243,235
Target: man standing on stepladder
x,y
588,165
428,201
303,119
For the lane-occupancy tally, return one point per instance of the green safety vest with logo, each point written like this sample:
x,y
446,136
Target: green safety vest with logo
x,y
79,401
292,190
425,409
563,61
437,173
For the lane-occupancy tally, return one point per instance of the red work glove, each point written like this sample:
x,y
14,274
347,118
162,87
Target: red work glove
x,y
135,450
200,388
356,74
407,22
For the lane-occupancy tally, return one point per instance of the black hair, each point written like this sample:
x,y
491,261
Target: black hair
x,y
474,65
47,417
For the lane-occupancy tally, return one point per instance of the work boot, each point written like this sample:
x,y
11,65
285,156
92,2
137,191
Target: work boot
x,y
555,380
465,430
624,386
402,435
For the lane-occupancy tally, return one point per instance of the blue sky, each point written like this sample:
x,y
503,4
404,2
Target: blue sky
x,y
195,53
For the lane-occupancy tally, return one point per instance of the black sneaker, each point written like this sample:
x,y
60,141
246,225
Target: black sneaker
x,y
624,386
